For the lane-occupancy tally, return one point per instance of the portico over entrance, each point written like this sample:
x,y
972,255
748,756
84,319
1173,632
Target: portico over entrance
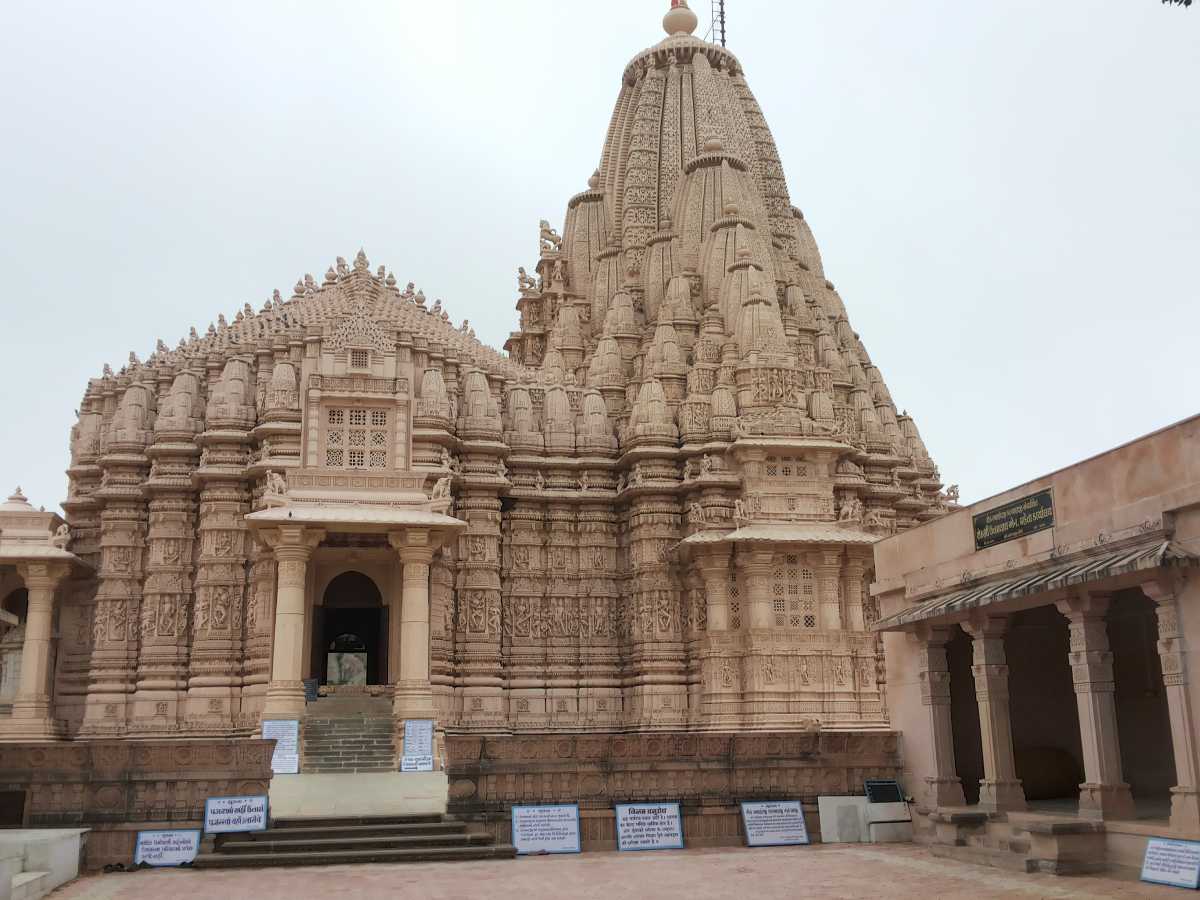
x,y
353,554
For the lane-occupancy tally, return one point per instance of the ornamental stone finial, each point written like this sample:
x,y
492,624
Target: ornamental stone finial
x,y
680,19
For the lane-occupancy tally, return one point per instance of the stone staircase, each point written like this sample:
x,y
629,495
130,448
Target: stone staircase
x,y
363,839
1022,842
348,735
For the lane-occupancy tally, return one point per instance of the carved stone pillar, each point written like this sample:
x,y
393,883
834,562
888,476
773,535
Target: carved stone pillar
x,y
999,789
413,698
1172,653
1104,793
714,569
943,787
31,715
293,548
757,572
829,580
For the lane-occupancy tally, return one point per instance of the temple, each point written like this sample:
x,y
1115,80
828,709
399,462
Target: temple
x,y
643,534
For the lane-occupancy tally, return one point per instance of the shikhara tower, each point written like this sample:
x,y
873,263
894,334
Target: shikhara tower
x,y
656,513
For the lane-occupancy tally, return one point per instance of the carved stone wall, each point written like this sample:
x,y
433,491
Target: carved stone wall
x,y
708,774
114,787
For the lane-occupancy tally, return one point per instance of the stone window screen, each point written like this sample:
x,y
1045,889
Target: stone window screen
x,y
356,438
735,603
792,597
360,359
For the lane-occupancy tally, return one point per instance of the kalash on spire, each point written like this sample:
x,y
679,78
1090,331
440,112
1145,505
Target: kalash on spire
x,y
655,514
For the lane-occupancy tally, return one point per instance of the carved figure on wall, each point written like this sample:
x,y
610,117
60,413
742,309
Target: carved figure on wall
x,y
739,511
524,282
445,458
696,513
706,464
805,678
726,674
851,510
584,481
687,470
539,480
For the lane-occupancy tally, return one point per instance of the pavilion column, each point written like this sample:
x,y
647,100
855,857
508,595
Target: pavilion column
x,y
413,698
293,547
31,716
829,581
944,787
1104,793
1172,653
999,789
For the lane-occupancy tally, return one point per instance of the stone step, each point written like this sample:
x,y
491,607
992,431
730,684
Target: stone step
x,y
359,821
373,842
333,857
302,832
31,885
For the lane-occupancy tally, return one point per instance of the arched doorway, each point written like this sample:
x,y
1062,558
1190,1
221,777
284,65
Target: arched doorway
x,y
350,633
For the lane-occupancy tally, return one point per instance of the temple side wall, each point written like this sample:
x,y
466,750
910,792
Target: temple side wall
x,y
117,787
708,774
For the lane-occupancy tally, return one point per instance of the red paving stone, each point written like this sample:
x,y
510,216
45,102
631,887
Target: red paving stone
x,y
895,871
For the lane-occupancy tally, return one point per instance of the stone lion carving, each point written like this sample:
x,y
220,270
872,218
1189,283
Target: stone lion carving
x,y
851,510
441,489
525,283
276,483
550,239
952,494
61,537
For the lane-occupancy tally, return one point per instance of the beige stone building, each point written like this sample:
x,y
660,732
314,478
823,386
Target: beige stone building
x,y
1037,657
640,536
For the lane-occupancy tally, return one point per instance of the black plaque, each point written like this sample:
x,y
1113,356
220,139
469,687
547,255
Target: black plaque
x,y
311,690
1019,518
883,791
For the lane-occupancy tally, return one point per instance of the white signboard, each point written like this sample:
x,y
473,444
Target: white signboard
x,y
226,814
649,826
166,848
1176,863
546,829
417,752
774,823
286,734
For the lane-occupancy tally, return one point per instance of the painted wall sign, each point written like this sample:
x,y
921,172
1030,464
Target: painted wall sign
x,y
774,823
227,814
285,760
649,826
417,752
546,829
1019,518
175,847
1176,863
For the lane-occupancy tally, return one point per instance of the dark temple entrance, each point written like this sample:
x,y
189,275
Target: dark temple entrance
x,y
350,633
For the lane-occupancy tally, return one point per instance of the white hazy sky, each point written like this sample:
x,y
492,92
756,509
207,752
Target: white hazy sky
x,y
1006,193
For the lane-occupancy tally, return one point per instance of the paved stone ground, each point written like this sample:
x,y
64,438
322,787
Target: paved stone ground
x,y
726,873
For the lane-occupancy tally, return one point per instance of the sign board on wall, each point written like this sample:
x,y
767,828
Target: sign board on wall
x,y
175,847
286,735
774,823
1176,863
649,826
1019,518
417,752
546,829
223,815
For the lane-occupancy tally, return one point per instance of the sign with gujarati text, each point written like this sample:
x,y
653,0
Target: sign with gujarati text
x,y
176,847
226,814
649,826
546,829
286,735
417,752
1019,518
774,823
1176,863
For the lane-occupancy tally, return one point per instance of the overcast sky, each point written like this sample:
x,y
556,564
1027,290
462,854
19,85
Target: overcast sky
x,y
1006,194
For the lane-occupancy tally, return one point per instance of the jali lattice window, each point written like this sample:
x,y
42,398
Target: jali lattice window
x,y
360,359
356,438
735,603
792,597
